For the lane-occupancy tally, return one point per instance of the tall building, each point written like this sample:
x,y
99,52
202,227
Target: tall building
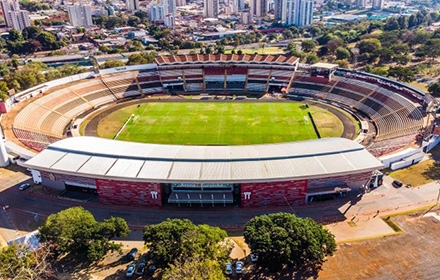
x,y
169,20
20,19
180,3
9,6
132,5
169,6
211,8
80,15
240,5
156,12
361,4
280,11
378,4
258,8
14,17
299,12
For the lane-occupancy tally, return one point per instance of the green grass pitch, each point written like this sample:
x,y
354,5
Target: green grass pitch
x,y
219,123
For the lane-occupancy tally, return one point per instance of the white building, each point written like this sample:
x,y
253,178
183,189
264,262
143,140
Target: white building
x,y
14,17
132,5
240,5
361,3
20,19
258,8
211,8
169,20
180,3
299,12
378,4
156,12
80,15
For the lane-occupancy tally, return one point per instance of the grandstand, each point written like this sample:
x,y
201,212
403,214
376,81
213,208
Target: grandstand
x,y
277,174
395,111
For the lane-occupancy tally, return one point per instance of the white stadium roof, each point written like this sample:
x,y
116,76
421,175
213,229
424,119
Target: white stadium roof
x,y
118,160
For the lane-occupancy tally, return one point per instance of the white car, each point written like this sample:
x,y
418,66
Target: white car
x,y
130,270
239,267
228,269
254,258
22,187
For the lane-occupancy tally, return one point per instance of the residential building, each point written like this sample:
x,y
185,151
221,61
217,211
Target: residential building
x,y
169,20
258,8
361,3
280,11
378,4
211,8
132,5
156,12
299,12
180,3
80,15
14,17
240,5
20,19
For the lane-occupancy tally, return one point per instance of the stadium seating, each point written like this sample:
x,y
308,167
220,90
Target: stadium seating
x,y
393,114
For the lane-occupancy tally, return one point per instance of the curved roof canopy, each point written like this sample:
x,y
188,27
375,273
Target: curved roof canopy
x,y
226,58
118,160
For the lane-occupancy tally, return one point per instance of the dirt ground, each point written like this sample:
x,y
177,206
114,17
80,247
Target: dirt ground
x,y
413,254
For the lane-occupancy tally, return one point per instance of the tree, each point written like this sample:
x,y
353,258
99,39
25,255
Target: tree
x,y
194,268
342,53
312,58
369,45
403,74
179,240
75,231
334,44
434,89
282,239
19,262
112,64
308,45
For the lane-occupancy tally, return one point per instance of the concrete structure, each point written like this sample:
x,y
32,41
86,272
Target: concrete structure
x,y
280,10
9,6
156,12
258,8
80,15
378,4
299,12
211,8
152,175
169,20
132,5
14,17
361,4
20,19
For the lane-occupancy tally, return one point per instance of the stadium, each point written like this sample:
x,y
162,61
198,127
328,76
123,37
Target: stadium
x,y
389,117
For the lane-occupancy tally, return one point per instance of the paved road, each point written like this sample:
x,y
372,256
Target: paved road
x,y
24,205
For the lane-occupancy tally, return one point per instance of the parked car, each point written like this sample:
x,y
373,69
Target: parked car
x,y
132,254
140,268
228,269
130,270
151,269
254,258
397,184
239,267
22,187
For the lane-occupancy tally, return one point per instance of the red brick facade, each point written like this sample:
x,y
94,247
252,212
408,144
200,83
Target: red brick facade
x,y
351,180
274,193
129,193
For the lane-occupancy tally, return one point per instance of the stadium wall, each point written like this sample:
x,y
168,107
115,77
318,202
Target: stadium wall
x,y
149,194
129,193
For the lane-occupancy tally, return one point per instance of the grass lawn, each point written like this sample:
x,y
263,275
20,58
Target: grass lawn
x,y
414,174
219,123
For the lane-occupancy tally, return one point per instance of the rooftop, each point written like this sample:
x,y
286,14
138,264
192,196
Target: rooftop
x,y
103,158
